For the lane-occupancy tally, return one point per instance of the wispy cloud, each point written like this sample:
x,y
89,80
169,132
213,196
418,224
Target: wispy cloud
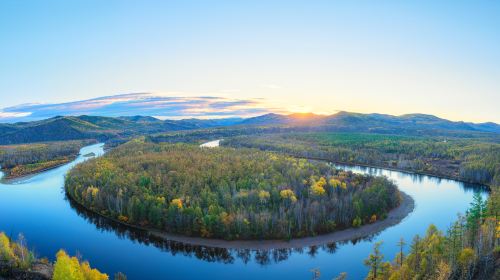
x,y
6,115
160,105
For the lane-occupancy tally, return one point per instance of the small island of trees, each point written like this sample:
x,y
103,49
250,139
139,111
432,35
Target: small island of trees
x,y
227,193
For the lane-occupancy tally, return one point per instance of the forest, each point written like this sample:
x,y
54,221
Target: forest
x,y
227,193
469,249
17,261
20,160
474,160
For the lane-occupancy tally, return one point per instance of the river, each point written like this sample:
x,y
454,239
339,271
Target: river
x,y
37,207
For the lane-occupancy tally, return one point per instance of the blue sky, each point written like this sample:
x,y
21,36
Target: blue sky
x,y
395,57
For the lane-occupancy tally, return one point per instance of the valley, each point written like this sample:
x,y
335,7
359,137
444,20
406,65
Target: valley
x,y
342,140
180,187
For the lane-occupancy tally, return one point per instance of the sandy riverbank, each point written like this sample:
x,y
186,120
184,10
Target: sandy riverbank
x,y
394,217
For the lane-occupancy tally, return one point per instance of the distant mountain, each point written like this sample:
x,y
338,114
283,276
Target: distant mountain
x,y
347,121
95,127
140,119
292,119
103,128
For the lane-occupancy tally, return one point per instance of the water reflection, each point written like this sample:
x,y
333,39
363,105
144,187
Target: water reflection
x,y
205,253
414,177
37,207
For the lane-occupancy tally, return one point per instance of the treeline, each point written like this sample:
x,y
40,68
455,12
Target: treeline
x,y
468,250
467,159
18,262
227,193
18,160
205,135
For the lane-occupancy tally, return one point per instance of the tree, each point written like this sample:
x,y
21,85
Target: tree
x,y
374,261
288,194
475,214
92,273
67,268
23,255
356,222
466,259
177,203
415,251
70,268
316,274
342,276
401,245
120,276
6,252
443,271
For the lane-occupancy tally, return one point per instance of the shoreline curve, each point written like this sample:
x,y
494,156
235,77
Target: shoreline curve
x,y
394,217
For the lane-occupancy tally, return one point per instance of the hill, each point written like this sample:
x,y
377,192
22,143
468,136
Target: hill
x,y
379,123
105,128
94,127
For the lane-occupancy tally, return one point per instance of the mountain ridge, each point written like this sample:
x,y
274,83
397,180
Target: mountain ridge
x,y
103,128
414,118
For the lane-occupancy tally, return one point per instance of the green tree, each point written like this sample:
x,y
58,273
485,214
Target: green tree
x,y
401,243
374,261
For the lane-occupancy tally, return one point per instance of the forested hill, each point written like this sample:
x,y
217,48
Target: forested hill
x,y
94,127
380,123
104,128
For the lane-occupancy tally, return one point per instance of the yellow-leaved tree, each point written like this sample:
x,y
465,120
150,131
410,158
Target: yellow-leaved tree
x,y
6,252
69,268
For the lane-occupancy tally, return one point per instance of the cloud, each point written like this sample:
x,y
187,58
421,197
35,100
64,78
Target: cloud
x,y
6,115
150,104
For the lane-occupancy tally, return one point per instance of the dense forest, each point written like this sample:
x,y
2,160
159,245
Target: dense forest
x,y
19,262
470,249
19,160
227,193
473,160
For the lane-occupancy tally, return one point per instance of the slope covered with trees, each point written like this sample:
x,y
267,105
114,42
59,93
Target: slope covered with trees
x,y
470,249
19,262
410,124
227,193
20,160
473,160
63,128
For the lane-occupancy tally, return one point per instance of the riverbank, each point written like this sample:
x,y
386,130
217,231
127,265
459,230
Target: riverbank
x,y
436,175
394,217
38,271
382,166
32,205
17,161
9,177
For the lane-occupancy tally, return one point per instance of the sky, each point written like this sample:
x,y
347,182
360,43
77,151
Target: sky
x,y
161,106
393,57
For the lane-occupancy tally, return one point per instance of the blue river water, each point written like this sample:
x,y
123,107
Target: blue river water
x,y
37,207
